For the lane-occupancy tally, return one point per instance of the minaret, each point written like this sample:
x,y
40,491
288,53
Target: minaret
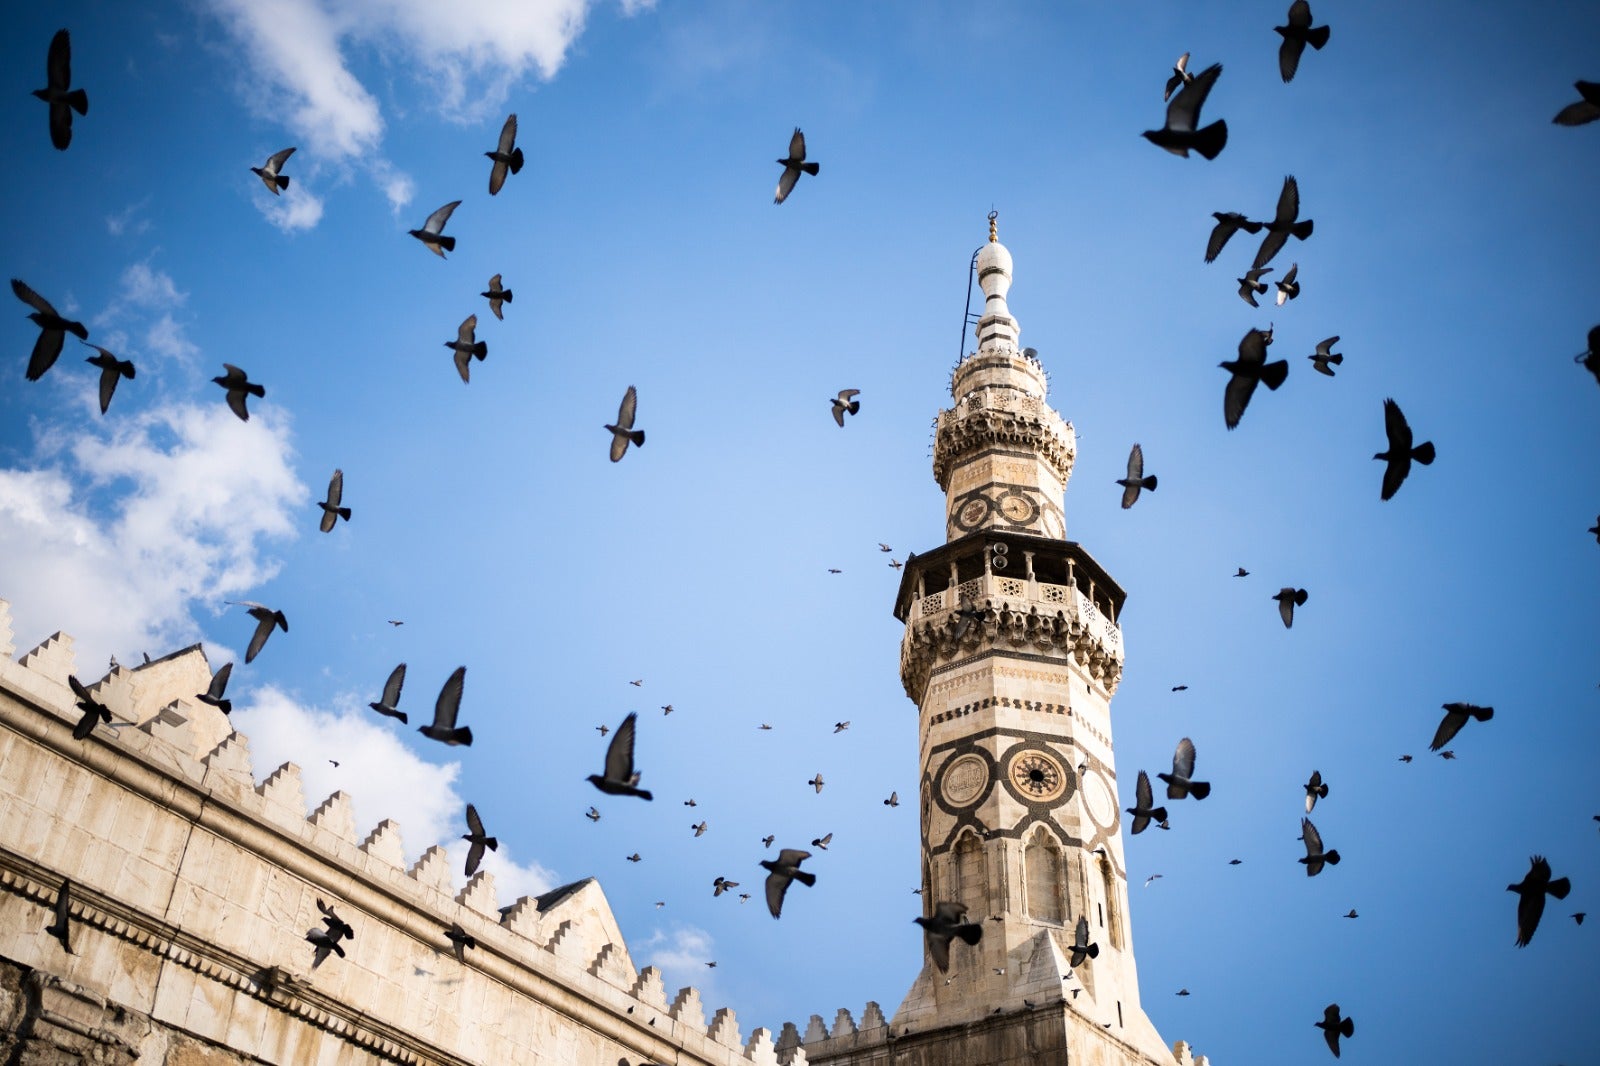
x,y
1012,653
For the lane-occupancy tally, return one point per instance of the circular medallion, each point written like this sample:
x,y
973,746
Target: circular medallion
x,y
972,512
1018,508
964,780
1037,776
1098,801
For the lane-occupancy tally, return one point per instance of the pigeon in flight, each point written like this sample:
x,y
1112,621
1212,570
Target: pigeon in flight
x,y
782,870
1179,782
623,433
1405,758
62,929
766,841
331,511
639,683
947,922
460,941
884,547
466,345
62,99
1579,916
274,181
635,857
496,296
1285,222
477,840
1251,285
327,939
1288,287
1296,36
445,710
53,329
112,370
1228,223
967,616
1251,367
1136,478
1400,452
1182,131
1152,879
1242,572
893,800
666,709
1595,529
690,802
700,828
1315,790
1352,913
388,704
94,712
506,155
1288,599
620,778
1144,808
1315,856
1081,947
895,564
602,729
1455,716
721,885
265,618
212,696
1575,114
840,727
592,814
792,166
238,384
1331,1025
1180,76
823,842
845,402
816,782
764,726
1326,355
432,232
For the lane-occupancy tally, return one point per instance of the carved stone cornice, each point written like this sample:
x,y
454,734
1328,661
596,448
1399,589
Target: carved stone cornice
x,y
1017,422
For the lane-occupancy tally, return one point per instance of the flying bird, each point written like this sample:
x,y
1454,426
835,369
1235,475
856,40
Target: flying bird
x,y
823,842
466,346
623,433
721,885
782,870
895,564
1288,287
460,941
331,511
1136,478
1595,529
238,385
387,705
1579,916
1296,36
1288,599
690,802
432,232
1182,131
620,778
93,710
1144,808
1455,716
1081,947
635,857
1179,782
445,711
1590,357
1251,285
884,547
1399,454
1352,913
327,938
1405,758
602,729
496,296
840,727
792,166
57,91
1315,856
1180,688
1251,367
1584,110
666,709
1228,223
1285,223
62,928
1325,355
638,683
893,800
212,696
506,155
477,840
816,782
766,841
844,403
1315,790
268,173
53,329
1152,879
112,370
947,922
592,814
967,616
1180,76
1331,1025
1242,572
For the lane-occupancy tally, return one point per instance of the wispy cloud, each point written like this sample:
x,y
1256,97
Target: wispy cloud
x,y
682,954
127,223
143,307
296,209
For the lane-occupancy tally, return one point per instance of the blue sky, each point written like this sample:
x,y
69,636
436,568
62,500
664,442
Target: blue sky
x,y
1453,254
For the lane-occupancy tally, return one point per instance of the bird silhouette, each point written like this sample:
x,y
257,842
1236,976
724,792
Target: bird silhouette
x,y
792,165
1251,367
331,511
1315,856
946,923
496,296
326,939
1081,947
721,885
840,727
212,696
1455,716
466,346
58,93
445,711
1136,478
460,941
1288,287
766,841
112,370
388,704
893,800
1180,76
700,828
238,385
477,840
1352,913
1325,355
432,232
634,857
61,929
1589,357
1331,1025
1144,809
823,842
1405,758
1579,916
623,433
816,782
1182,131
843,403
884,547
592,814
602,729
1586,109
1285,223
1400,453
782,870
1288,599
268,172
1179,782
1242,572
1315,790
1595,529
1296,36
506,155
266,618
620,778
1228,223
53,330
1251,285
666,709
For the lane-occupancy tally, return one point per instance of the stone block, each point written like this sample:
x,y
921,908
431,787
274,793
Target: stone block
x,y
53,658
649,990
760,1049
334,815
843,1025
480,895
686,1009
284,800
724,1028
384,845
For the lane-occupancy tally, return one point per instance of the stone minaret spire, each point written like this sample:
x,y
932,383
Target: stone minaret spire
x,y
1012,653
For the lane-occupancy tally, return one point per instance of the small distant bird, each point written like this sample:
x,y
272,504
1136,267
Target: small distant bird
x,y
112,370
1251,367
744,897
266,618
666,709
1181,992
1081,948
1531,891
623,434
1585,110
387,705
1179,783
893,800
477,840
766,841
602,729
1180,76
721,885
396,622
57,91
1242,572
634,857
1182,131
823,842
1285,222
840,727
764,726
1288,599
1152,879
1315,856
496,296
1288,287
331,511
445,711
884,547
1136,478
592,814
968,616
460,941
1579,916
1315,790
1352,913
1228,223
1400,452
780,872
1235,862
620,778
1180,688
844,403
53,329
1251,285
1405,758
432,232
1590,357
1325,355
712,965
895,564
816,782
792,166
690,803
268,173
506,155
947,922
1296,36
638,683
219,684
466,346
833,570
62,929
1455,716
1331,1025
238,385
700,828
1144,809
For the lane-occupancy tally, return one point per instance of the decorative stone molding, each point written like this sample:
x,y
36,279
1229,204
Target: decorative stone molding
x,y
725,1028
384,844
53,658
972,427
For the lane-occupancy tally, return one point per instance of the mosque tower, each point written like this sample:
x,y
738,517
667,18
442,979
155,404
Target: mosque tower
x,y
1012,654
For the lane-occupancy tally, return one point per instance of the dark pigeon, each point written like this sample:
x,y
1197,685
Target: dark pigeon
x,y
112,370
388,704
1400,453
1285,223
792,165
620,778
1182,131
58,93
780,872
53,330
947,922
331,511
506,155
445,711
213,695
1296,36
238,384
1179,782
1455,716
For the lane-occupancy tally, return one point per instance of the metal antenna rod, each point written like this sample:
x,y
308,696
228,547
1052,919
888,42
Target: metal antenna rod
x,y
966,308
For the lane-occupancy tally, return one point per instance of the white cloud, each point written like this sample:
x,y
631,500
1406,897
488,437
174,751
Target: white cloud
x,y
294,210
127,221
147,295
682,955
